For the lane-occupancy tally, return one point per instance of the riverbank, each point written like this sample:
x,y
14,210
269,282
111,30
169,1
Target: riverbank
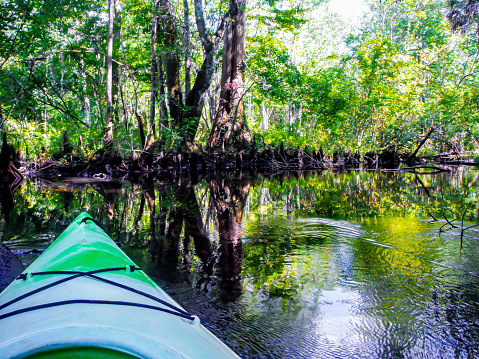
x,y
270,160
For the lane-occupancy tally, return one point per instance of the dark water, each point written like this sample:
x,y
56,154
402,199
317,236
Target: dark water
x,y
337,265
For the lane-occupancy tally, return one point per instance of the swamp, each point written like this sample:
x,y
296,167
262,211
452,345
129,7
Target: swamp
x,y
301,175
329,265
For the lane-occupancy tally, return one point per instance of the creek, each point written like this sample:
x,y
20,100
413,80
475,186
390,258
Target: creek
x,y
320,265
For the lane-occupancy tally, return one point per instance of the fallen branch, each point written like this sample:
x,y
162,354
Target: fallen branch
x,y
422,185
453,226
434,218
462,228
409,160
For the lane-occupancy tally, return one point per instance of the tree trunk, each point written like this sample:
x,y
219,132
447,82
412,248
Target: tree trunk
x,y
141,129
161,83
186,122
108,139
86,108
264,117
194,224
196,97
186,47
150,143
230,123
161,89
229,201
162,96
213,95
115,66
294,114
169,39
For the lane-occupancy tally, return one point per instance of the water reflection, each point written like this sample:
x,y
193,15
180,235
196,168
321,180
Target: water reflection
x,y
229,198
10,266
331,265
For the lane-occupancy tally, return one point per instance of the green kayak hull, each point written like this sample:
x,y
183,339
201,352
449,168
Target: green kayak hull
x,y
84,298
81,353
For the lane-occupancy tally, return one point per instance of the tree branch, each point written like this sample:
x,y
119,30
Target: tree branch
x,y
13,44
23,86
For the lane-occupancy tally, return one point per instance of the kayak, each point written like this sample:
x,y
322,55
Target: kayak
x,y
84,298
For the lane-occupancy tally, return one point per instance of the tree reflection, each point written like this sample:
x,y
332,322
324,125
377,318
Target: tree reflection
x,y
171,249
180,224
173,218
6,200
296,251
229,198
110,191
7,190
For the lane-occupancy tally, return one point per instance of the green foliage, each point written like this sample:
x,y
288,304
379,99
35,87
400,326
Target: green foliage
x,y
401,73
404,73
290,19
271,63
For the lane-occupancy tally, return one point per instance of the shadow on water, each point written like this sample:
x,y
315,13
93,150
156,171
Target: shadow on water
x,y
304,266
10,265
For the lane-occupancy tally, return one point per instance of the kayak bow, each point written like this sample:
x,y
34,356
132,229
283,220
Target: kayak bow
x,y
84,298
